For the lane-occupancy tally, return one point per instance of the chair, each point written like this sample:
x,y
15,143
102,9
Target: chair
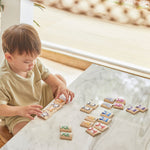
x,y
4,135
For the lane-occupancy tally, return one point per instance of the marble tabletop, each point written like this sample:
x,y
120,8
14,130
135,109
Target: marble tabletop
x,y
126,131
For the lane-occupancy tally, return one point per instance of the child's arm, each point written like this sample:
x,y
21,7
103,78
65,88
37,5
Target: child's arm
x,y
25,111
59,87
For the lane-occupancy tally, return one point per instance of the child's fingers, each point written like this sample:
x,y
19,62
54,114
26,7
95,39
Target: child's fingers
x,y
29,116
58,95
67,96
72,96
37,106
36,112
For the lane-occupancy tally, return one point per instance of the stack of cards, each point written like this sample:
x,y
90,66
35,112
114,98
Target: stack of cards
x,y
105,117
119,103
104,120
109,100
120,100
108,103
65,132
107,114
136,109
118,106
97,125
141,108
90,118
115,103
54,106
89,107
100,126
88,123
132,110
93,131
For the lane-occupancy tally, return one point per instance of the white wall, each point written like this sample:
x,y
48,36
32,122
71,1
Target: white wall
x,y
15,12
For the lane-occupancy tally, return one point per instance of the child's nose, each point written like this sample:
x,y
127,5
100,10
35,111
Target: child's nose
x,y
32,64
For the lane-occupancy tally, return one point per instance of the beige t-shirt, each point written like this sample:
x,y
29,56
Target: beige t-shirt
x,y
19,91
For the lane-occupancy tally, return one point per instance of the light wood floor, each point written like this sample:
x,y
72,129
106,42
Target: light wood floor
x,y
69,73
121,42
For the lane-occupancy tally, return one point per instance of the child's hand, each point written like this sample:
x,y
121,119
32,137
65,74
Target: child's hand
x,y
27,111
67,93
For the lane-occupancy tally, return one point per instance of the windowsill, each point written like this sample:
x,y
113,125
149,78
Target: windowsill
x,y
110,40
82,63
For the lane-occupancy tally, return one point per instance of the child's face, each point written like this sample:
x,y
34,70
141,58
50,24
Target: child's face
x,y
22,63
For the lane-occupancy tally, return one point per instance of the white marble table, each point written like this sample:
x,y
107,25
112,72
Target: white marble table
x,y
126,131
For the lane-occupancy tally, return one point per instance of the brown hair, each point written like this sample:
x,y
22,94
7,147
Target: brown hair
x,y
21,38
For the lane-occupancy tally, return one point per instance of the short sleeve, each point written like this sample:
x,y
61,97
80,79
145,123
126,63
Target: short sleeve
x,y
4,98
43,70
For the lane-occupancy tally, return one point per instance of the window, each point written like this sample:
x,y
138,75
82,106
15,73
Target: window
x,y
115,43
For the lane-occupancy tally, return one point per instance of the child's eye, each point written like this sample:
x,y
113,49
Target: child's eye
x,y
26,62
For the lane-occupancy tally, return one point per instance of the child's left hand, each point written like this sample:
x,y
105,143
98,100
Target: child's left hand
x,y
67,93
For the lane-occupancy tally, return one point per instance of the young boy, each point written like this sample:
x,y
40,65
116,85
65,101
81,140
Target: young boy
x,y
22,93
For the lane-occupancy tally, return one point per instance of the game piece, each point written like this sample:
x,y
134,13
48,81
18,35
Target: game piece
x,y
141,108
62,97
90,118
109,100
59,101
107,114
86,109
106,105
92,131
132,110
65,129
86,124
55,106
100,126
50,109
118,106
45,114
104,120
120,100
65,135
89,104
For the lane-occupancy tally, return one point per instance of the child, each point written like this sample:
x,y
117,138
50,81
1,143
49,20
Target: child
x,y
22,93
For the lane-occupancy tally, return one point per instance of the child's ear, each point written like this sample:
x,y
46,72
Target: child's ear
x,y
8,57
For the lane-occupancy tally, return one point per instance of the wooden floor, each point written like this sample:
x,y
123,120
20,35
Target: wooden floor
x,y
69,73
1,143
125,43
5,136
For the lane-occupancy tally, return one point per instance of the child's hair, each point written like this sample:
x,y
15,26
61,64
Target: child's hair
x,y
21,38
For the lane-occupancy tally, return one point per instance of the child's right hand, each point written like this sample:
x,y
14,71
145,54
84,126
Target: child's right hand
x,y
27,111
